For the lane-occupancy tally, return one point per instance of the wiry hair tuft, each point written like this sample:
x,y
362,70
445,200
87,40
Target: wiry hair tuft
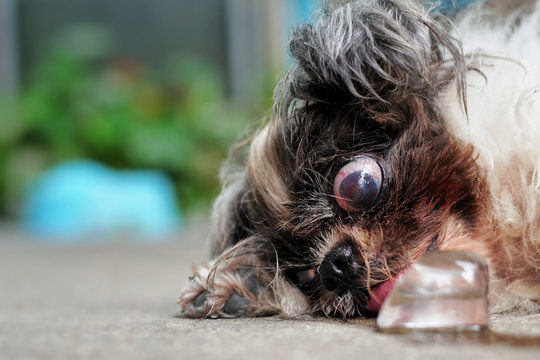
x,y
371,52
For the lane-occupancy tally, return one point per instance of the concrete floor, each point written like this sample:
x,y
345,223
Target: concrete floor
x,y
117,300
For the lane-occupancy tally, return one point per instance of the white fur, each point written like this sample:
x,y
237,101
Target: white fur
x,y
503,124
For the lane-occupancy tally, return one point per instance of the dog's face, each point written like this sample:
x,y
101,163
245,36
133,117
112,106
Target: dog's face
x,y
357,175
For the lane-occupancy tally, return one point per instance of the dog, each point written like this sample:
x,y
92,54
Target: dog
x,y
396,132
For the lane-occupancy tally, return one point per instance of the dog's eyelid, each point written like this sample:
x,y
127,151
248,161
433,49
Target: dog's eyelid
x,y
305,276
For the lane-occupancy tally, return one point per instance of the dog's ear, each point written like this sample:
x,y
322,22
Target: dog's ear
x,y
254,194
372,51
230,223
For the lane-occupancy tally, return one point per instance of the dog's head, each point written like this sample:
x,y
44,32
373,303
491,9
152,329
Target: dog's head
x,y
357,174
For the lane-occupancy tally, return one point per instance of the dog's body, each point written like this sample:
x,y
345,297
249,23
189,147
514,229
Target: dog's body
x,y
389,139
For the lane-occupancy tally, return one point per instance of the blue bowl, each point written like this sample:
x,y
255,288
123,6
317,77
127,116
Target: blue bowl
x,y
81,200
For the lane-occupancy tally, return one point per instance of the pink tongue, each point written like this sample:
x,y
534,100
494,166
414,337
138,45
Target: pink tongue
x,y
380,292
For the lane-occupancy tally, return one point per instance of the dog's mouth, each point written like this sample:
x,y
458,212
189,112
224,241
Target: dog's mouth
x,y
379,293
376,296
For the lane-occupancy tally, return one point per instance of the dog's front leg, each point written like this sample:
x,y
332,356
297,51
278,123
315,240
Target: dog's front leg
x,y
231,286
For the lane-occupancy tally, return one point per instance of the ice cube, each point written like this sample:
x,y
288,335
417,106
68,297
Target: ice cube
x,y
442,290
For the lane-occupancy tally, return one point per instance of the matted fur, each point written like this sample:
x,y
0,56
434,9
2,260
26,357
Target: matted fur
x,y
450,111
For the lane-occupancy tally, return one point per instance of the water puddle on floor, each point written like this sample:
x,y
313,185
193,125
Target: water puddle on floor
x,y
483,336
472,336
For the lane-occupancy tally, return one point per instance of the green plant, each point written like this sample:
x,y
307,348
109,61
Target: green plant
x,y
78,105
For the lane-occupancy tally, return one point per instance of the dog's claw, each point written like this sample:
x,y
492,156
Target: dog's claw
x,y
206,305
235,305
200,299
252,284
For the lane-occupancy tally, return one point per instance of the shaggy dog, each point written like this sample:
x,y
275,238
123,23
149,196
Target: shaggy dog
x,y
396,132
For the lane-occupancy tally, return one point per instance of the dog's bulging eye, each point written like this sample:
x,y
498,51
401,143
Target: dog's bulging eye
x,y
358,184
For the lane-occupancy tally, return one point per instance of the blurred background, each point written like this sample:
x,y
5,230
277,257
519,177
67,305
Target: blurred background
x,y
116,115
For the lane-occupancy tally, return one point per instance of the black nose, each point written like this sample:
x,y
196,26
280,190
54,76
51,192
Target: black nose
x,y
340,269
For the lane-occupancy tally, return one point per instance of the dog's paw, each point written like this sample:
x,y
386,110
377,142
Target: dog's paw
x,y
224,294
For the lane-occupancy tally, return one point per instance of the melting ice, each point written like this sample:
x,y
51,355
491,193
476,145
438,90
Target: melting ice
x,y
442,290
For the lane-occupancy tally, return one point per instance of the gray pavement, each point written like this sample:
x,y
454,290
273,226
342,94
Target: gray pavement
x,y
117,300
